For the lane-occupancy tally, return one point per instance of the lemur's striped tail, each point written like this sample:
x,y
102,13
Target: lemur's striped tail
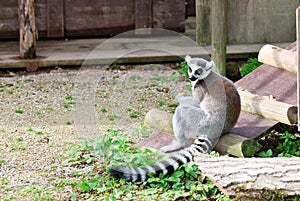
x,y
166,166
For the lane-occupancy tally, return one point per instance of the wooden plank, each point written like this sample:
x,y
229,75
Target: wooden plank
x,y
256,21
219,34
169,14
9,24
74,52
298,60
55,18
98,17
143,14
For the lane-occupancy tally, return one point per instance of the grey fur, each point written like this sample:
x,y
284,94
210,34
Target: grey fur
x,y
212,111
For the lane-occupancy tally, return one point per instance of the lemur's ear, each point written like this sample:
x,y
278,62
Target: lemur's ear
x,y
210,64
188,58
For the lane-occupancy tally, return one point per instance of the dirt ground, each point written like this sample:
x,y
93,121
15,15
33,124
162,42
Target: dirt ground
x,y
43,114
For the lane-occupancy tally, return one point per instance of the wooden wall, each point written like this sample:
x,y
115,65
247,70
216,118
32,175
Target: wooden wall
x,y
256,21
67,18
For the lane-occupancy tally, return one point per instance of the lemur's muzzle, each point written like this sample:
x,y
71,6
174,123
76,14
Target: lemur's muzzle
x,y
193,78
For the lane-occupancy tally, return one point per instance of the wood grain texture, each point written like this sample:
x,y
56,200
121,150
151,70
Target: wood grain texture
x,y
169,15
143,14
268,107
219,34
28,31
55,16
278,57
252,178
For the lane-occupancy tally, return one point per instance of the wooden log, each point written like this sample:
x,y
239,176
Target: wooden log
x,y
231,143
28,31
203,17
278,57
252,178
268,107
298,60
219,34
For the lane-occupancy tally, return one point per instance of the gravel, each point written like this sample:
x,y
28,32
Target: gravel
x,y
43,114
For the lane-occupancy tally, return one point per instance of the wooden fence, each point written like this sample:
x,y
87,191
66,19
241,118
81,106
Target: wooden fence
x,y
251,21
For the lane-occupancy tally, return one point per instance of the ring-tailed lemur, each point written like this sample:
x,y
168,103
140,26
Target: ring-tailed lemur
x,y
212,111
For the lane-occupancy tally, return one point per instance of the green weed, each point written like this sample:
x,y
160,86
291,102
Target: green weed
x,y
288,146
247,68
19,111
114,148
184,69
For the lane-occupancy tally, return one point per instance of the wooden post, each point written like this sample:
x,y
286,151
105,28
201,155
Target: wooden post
x,y
203,18
219,34
28,31
298,60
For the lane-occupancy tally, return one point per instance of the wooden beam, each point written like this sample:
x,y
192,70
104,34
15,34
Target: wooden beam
x,y
203,18
298,60
219,34
252,178
278,57
231,143
268,107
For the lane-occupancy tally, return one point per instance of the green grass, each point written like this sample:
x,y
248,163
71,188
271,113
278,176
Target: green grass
x,y
184,69
114,148
19,111
247,68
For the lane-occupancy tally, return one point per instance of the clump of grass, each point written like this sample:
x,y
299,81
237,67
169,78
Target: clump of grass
x,y
68,123
184,69
250,66
19,111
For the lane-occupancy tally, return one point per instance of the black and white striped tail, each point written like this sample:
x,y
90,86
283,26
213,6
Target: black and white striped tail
x,y
167,166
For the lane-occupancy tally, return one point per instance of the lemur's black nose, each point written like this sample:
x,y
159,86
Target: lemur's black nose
x,y
193,78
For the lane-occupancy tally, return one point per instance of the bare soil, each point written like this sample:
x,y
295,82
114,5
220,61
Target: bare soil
x,y
43,114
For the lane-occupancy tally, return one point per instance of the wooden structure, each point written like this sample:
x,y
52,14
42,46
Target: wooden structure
x,y
250,21
219,35
67,18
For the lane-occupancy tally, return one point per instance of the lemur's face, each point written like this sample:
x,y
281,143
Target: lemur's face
x,y
198,68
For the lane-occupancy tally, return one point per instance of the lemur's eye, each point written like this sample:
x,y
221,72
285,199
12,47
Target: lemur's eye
x,y
199,72
190,70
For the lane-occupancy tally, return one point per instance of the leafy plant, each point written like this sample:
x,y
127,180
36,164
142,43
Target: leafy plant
x,y
287,146
266,154
247,68
184,69
114,148
290,147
